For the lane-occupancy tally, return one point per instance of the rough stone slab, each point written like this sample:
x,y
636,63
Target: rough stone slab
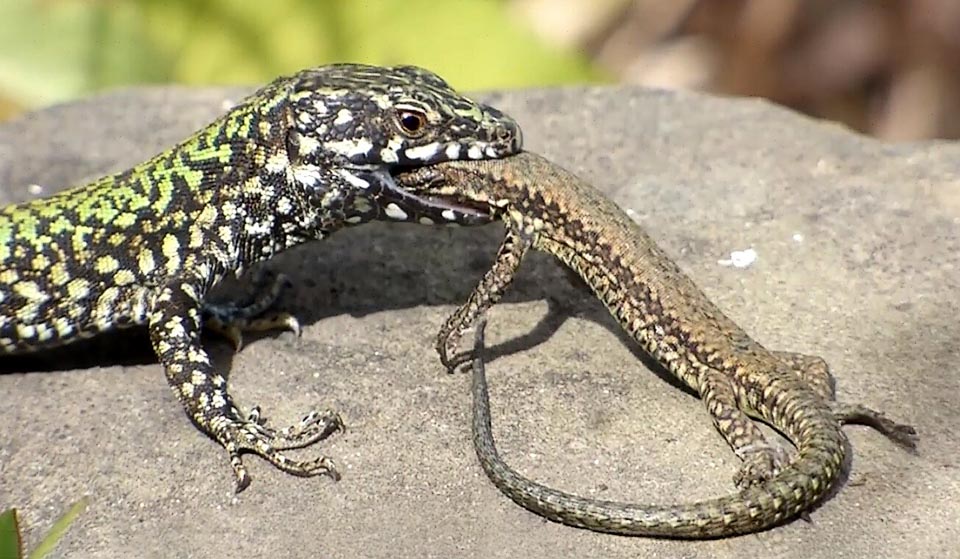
x,y
858,246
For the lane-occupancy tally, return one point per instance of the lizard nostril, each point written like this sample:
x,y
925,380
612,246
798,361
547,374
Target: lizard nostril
x,y
509,132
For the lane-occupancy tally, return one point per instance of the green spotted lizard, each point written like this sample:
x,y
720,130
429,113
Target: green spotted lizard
x,y
299,159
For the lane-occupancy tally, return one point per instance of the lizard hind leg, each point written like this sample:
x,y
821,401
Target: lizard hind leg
x,y
761,459
232,318
812,370
174,325
858,414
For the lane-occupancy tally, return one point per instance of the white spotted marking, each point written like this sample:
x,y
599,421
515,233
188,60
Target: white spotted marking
x,y
354,180
229,210
25,331
423,153
258,228
343,116
474,152
44,333
226,234
170,248
425,221
307,145
123,277
449,215
78,289
453,151
350,148
30,291
393,211
198,378
491,152
354,219
389,153
218,400
63,326
277,163
307,175
27,313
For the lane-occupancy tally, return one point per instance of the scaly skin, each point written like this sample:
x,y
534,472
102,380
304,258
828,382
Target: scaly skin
x,y
548,208
297,160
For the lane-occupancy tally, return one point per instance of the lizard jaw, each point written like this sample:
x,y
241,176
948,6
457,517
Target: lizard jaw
x,y
435,207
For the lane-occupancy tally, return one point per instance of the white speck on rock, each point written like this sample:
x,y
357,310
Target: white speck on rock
x,y
798,237
740,258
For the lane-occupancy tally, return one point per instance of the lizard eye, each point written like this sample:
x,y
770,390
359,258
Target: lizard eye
x,y
411,122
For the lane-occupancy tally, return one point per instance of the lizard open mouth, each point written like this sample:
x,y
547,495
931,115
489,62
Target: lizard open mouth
x,y
421,202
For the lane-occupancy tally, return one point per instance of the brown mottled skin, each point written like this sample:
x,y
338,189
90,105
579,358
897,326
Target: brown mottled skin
x,y
550,209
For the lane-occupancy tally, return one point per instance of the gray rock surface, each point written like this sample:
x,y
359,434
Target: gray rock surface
x,y
858,248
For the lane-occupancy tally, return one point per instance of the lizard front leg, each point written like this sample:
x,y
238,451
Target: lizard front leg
x,y
487,293
174,325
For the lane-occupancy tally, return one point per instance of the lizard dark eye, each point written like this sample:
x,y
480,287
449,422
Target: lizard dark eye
x,y
411,122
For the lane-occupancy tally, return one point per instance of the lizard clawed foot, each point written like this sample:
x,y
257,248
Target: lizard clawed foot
x,y
902,434
252,435
760,463
314,427
231,320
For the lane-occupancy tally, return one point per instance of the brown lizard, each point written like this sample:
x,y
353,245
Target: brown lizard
x,y
550,209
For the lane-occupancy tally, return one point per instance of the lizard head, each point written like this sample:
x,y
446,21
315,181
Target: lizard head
x,y
370,123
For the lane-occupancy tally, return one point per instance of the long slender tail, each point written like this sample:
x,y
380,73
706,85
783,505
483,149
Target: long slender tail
x,y
756,508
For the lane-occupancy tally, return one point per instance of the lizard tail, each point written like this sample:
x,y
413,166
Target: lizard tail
x,y
761,506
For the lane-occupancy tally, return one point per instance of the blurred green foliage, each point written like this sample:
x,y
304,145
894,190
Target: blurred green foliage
x,y
51,50
11,540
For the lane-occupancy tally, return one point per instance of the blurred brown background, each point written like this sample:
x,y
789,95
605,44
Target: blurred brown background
x,y
884,67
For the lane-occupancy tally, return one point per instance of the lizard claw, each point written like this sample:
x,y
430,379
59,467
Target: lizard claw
x,y
252,434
